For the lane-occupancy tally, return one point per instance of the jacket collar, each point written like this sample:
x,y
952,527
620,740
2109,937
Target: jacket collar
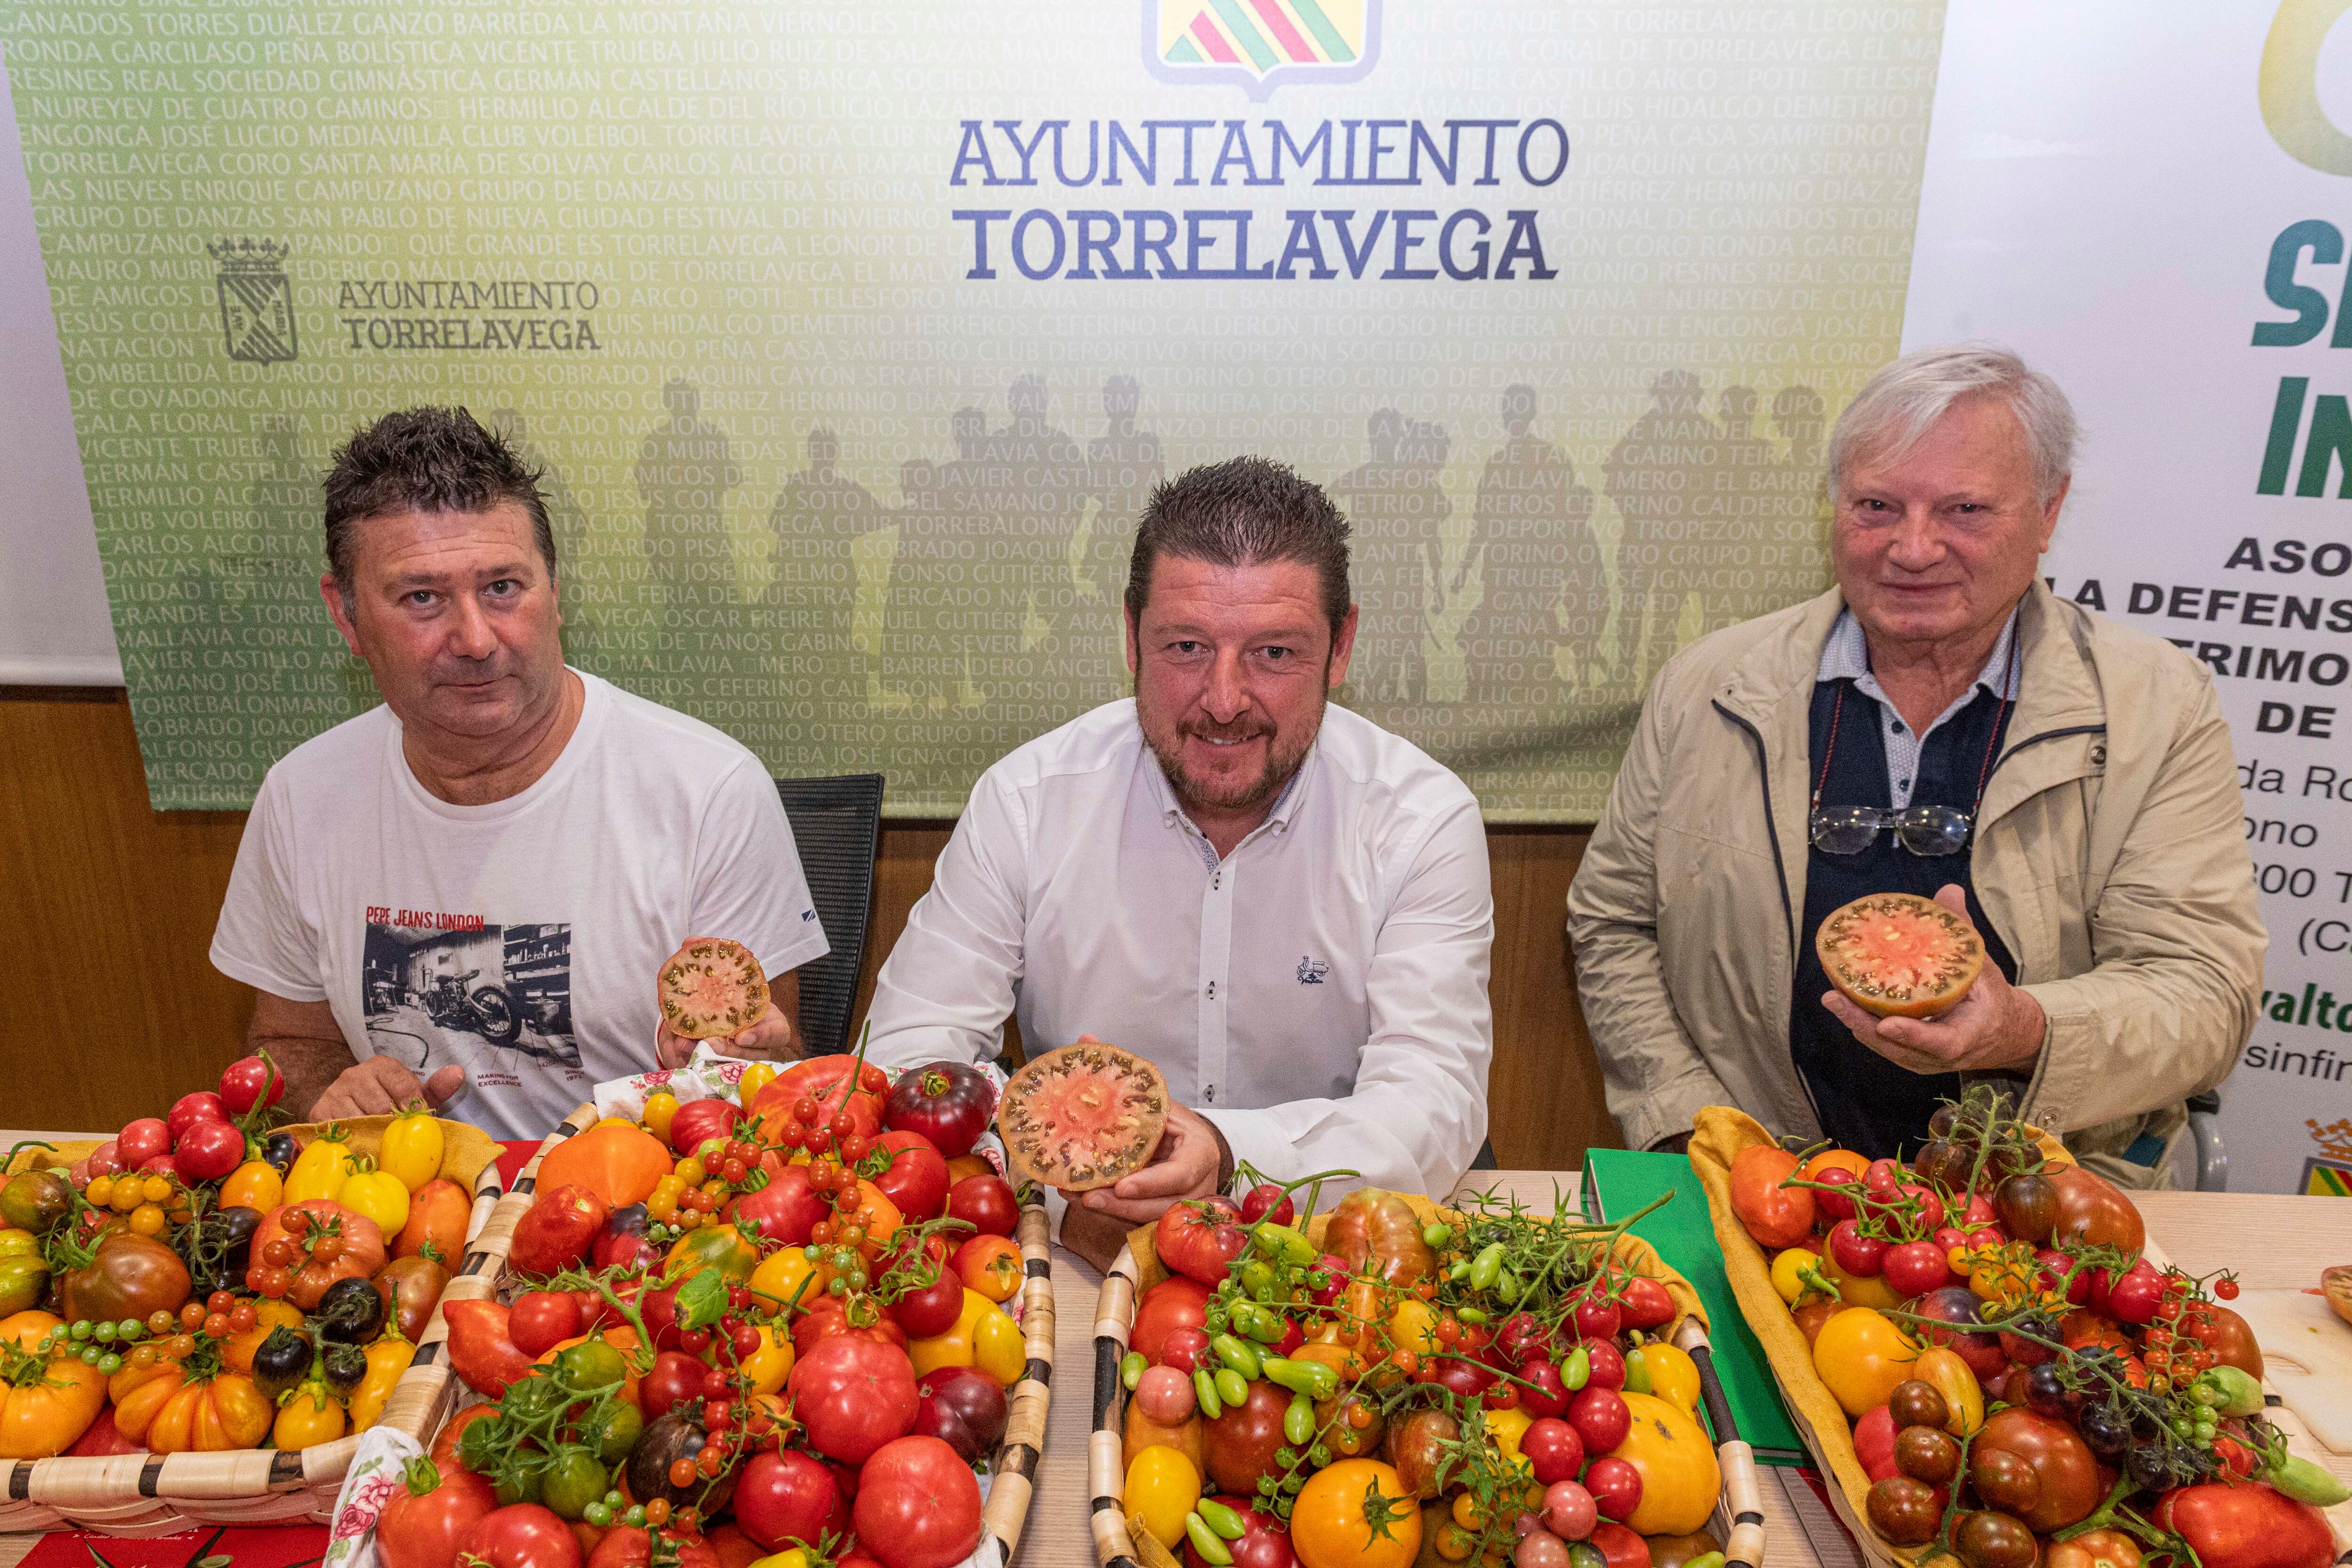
x,y
1771,692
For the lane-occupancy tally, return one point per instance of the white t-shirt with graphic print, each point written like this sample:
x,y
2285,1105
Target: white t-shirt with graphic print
x,y
517,940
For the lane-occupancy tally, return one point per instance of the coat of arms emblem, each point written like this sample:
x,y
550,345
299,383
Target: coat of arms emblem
x,y
256,300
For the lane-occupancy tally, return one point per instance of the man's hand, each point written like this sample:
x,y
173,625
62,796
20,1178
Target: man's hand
x,y
1190,1158
772,1039
381,1085
1995,1025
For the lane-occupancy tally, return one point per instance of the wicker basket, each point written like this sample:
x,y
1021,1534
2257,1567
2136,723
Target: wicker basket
x,y
1721,1133
1013,1475
1737,1520
156,1494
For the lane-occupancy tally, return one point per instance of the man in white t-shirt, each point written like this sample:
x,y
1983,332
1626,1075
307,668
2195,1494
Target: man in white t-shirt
x,y
1282,906
464,895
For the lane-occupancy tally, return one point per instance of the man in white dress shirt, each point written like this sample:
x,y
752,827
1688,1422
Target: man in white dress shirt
x,y
1284,907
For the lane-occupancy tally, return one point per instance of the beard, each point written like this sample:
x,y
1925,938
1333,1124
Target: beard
x,y
1285,754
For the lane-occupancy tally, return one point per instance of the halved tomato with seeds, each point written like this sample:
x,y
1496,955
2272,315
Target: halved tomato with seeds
x,y
711,987
1083,1116
1900,955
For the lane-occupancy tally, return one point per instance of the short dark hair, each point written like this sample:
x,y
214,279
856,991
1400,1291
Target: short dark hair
x,y
1241,512
426,459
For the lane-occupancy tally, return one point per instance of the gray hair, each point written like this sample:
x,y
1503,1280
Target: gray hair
x,y
1898,405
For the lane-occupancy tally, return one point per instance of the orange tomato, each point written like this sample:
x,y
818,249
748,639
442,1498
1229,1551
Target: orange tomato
x,y
617,1162
881,1217
1829,1159
1356,1514
964,1166
437,1212
990,1264
47,1415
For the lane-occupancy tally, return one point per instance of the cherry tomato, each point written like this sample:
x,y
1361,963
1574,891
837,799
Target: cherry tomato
x,y
249,1081
1268,1202
931,1310
190,1109
208,1150
1553,1450
1616,1486
1600,1417
138,1142
539,1319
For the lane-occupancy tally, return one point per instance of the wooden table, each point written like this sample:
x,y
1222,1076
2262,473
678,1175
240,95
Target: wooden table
x,y
2273,1241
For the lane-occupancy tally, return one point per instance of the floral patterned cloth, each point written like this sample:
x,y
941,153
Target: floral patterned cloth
x,y
375,1477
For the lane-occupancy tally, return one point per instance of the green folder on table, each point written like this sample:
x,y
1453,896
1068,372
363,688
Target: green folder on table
x,y
1619,1182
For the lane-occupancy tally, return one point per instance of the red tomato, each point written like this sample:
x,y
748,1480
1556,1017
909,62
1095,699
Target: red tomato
x,y
427,1518
481,1352
1606,1364
786,1209
624,1546
917,1177
1198,1236
932,1309
204,1105
539,1319
676,1376
138,1142
1645,1303
2133,1298
1597,1317
948,1102
1616,1486
1553,1450
1600,1417
104,1161
1620,1546
523,1536
985,1202
918,1505
207,1151
1173,1303
2248,1524
854,1396
1873,1442
557,1231
829,1081
964,1408
827,1318
786,1497
699,1121
249,1081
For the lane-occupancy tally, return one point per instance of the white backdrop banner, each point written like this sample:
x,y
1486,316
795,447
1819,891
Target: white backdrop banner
x,y
2151,203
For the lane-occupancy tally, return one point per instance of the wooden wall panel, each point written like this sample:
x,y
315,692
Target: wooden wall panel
x,y
108,1008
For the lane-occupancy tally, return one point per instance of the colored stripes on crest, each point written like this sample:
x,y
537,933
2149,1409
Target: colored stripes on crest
x,y
1269,33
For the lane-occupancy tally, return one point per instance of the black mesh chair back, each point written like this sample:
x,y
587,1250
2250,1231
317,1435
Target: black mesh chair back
x,y
837,827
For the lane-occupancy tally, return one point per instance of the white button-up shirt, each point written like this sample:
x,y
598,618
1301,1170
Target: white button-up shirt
x,y
1319,993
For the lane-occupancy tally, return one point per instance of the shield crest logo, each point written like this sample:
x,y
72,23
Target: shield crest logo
x,y
1260,44
256,300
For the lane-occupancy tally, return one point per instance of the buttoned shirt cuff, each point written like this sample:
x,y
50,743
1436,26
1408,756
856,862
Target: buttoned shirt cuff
x,y
1252,1136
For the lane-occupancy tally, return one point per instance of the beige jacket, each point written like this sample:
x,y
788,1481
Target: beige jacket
x,y
2110,855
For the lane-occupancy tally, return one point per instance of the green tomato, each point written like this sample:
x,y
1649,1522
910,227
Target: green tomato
x,y
614,1434
592,1363
513,1489
575,1479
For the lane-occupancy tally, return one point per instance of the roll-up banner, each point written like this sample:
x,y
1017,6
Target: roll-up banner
x,y
853,338
2151,203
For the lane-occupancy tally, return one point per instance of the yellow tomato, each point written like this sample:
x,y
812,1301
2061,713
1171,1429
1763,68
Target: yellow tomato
x,y
996,1346
19,1244
1680,1477
379,1195
797,1557
1674,1376
956,1347
255,1185
1860,1355
1355,1514
756,1077
768,1366
1163,1487
321,1169
778,1279
1504,1429
1788,1271
386,1360
720,1247
412,1150
308,1416
660,1111
1943,1369
1414,1327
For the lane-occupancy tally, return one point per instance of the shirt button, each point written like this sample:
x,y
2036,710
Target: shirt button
x,y
1213,990
1896,725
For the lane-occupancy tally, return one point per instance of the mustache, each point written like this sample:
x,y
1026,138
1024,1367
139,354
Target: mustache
x,y
468,671
1240,730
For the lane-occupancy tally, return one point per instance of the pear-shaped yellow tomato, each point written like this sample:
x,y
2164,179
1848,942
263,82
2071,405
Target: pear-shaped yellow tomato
x,y
1680,1477
1860,1355
1859,1290
1504,1429
1163,1487
1674,1376
1944,1370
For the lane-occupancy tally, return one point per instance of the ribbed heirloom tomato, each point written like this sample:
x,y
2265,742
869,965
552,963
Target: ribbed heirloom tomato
x,y
918,1505
1355,1514
854,1396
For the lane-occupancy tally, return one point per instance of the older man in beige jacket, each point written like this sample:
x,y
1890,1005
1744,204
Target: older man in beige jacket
x,y
1940,724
